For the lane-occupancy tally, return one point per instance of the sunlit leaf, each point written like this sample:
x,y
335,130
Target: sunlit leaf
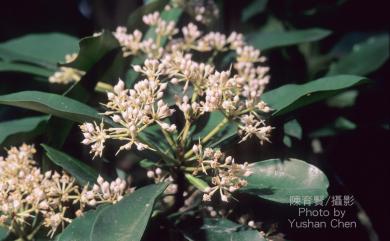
x,y
278,180
45,49
54,104
293,96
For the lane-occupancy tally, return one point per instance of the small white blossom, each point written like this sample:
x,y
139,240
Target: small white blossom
x,y
66,75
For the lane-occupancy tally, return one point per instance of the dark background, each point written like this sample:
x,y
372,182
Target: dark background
x,y
356,162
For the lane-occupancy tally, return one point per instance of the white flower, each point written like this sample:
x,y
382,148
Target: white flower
x,y
131,43
253,127
66,75
96,135
190,33
226,175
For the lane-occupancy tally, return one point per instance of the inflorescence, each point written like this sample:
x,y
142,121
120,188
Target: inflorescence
x,y
28,195
201,88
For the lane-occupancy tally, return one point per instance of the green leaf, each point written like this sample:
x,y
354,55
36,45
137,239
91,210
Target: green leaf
x,y
254,8
223,137
80,228
154,136
375,49
226,136
82,172
145,163
214,119
174,91
127,220
345,99
45,49
197,182
287,141
340,125
132,76
277,180
224,229
22,128
92,49
24,68
3,233
54,104
269,40
293,128
293,96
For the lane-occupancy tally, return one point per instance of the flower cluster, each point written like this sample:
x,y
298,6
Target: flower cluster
x,y
27,194
66,75
134,44
226,175
185,66
133,110
131,43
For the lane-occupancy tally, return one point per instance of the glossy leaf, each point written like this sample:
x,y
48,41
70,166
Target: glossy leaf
x,y
24,68
92,49
277,180
45,49
80,228
82,172
224,229
375,49
293,128
23,127
269,40
127,220
54,104
293,96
